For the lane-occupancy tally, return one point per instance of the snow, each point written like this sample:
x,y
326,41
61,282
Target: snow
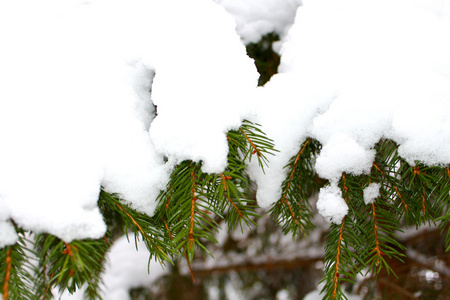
x,y
331,205
371,193
75,109
8,235
128,267
352,73
256,18
343,154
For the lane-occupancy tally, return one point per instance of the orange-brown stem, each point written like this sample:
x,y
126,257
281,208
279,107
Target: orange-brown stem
x,y
167,228
234,205
338,256
7,274
137,225
224,180
291,176
344,180
255,149
401,197
191,228
423,201
393,186
377,242
68,249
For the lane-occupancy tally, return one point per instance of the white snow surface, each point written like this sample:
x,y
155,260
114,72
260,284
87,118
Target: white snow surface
x,y
353,72
75,107
371,192
128,267
331,205
255,18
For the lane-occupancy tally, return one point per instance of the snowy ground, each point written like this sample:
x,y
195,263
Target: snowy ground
x,y
75,112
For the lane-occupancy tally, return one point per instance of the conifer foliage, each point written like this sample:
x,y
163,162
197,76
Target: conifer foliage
x,y
193,202
184,221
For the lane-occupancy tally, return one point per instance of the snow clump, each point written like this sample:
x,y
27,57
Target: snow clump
x,y
331,205
371,193
256,18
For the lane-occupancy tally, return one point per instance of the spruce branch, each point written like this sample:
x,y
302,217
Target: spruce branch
x,y
379,228
69,266
293,210
193,199
231,189
442,204
16,270
420,183
150,229
185,211
341,261
344,250
7,277
258,143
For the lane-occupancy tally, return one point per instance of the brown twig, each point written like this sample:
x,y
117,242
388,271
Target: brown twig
x,y
7,274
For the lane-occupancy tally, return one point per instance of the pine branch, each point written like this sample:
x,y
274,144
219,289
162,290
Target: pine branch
x,y
293,210
385,169
442,204
7,276
139,223
420,182
380,241
16,270
69,266
344,250
258,143
185,210
192,211
193,199
231,189
339,264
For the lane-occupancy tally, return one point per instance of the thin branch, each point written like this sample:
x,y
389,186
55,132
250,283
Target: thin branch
x,y
291,176
141,230
377,242
7,273
338,256
224,179
184,250
344,180
256,150
68,249
191,228
392,185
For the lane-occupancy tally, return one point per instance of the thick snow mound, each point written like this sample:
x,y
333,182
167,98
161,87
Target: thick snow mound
x,y
255,18
75,106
